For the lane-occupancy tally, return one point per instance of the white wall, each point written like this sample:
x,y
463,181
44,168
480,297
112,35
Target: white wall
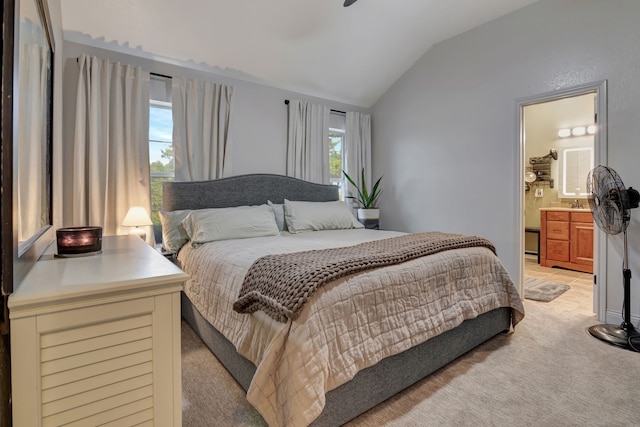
x,y
445,135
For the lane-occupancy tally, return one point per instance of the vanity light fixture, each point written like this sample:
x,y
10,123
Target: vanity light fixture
x,y
577,131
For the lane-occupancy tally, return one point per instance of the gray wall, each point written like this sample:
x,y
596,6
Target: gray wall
x,y
446,135
259,117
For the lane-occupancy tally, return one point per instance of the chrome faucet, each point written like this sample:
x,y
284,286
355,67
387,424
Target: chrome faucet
x,y
577,205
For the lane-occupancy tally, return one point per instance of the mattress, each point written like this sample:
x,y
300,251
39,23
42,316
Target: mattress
x,y
349,324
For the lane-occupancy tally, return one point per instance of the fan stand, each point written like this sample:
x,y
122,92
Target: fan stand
x,y
622,336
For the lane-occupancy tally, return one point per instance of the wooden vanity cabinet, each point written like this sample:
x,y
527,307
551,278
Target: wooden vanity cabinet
x,y
566,240
581,250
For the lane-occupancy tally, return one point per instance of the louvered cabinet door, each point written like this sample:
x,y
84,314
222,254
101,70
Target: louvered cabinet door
x,y
107,364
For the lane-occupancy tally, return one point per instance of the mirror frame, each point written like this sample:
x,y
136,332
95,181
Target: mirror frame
x,y
6,149
16,260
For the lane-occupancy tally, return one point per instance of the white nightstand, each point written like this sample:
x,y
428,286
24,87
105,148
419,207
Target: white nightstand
x,y
97,338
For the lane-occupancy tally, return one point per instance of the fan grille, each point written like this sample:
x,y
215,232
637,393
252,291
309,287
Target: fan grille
x,y
608,200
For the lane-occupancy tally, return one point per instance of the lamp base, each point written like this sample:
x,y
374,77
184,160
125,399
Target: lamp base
x,y
137,231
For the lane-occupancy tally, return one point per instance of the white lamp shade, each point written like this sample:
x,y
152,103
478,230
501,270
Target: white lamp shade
x,y
136,217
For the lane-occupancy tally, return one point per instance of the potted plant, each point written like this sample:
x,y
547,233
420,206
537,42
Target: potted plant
x,y
368,212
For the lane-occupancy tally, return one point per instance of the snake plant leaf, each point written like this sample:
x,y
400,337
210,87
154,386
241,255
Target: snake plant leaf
x,y
366,199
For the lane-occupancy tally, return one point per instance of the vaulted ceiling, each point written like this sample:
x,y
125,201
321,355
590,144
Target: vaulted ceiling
x,y
315,47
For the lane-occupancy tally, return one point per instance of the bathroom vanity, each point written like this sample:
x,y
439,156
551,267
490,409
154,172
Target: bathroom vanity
x,y
566,238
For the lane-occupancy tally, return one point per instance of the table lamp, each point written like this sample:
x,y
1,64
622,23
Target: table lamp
x,y
137,217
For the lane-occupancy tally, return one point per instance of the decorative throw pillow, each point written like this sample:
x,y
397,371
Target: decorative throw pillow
x,y
278,211
174,235
315,216
208,225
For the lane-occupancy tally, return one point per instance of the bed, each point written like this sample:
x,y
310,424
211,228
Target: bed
x,y
271,359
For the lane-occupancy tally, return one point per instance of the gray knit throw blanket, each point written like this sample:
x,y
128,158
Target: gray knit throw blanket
x,y
280,284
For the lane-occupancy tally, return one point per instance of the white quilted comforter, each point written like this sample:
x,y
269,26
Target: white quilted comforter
x,y
348,325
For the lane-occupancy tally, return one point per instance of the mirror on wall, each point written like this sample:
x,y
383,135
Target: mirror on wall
x,y
575,164
33,85
27,111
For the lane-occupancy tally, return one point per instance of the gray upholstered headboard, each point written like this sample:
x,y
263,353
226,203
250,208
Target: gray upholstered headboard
x,y
242,190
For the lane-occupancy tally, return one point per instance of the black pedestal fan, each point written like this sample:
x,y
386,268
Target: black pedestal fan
x,y
610,203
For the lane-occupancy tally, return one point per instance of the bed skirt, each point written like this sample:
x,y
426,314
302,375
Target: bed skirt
x,y
372,385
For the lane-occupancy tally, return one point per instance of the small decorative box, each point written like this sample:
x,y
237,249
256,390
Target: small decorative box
x,y
79,241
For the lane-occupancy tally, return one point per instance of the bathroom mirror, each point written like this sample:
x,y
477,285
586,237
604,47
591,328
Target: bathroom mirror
x,y
575,164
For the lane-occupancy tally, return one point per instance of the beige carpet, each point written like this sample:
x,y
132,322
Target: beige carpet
x,y
550,372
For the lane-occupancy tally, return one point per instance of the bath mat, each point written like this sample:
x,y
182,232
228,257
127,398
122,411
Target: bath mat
x,y
542,290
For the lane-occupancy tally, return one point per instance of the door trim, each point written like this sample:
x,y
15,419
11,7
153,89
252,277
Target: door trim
x,y
600,158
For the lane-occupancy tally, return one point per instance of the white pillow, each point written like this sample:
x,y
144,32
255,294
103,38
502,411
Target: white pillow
x,y
174,235
208,225
278,211
314,216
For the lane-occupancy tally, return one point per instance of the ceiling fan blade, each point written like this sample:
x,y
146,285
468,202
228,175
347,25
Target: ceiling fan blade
x,y
348,3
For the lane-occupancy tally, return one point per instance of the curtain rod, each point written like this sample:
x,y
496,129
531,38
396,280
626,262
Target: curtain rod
x,y
153,74
286,102
161,75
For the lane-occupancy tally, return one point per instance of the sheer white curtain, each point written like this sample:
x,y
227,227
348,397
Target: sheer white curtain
x,y
201,118
308,142
357,155
111,145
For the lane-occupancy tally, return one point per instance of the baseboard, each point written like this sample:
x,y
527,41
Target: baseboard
x,y
615,318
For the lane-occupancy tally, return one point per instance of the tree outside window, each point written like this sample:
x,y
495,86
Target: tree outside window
x,y
336,144
161,157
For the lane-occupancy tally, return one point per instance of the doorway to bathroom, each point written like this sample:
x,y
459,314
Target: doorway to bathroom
x,y
562,137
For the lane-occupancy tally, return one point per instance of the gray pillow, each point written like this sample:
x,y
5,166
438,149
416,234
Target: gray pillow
x,y
174,235
208,225
278,211
315,216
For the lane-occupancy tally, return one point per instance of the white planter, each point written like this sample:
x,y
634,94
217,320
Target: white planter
x,y
368,214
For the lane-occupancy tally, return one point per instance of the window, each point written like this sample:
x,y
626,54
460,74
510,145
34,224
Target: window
x,y
336,159
161,159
